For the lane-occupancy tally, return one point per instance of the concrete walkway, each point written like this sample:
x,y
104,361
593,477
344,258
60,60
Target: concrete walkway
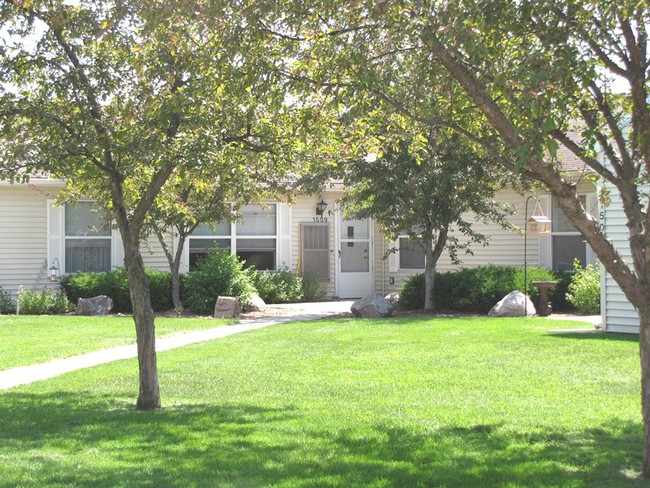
x,y
281,314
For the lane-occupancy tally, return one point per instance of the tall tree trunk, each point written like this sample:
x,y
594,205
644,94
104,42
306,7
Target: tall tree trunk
x,y
644,350
149,393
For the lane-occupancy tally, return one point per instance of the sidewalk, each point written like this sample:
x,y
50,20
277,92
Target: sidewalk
x,y
23,375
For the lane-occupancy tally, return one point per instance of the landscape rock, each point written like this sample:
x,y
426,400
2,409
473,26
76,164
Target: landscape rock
x,y
514,304
99,305
393,298
227,307
257,304
372,307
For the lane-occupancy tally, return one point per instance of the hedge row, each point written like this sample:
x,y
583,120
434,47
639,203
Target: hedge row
x,y
220,273
477,290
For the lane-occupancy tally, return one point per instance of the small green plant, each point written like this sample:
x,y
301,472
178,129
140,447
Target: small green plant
x,y
584,289
280,286
220,273
312,289
7,304
43,302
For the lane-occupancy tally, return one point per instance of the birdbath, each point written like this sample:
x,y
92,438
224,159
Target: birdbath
x,y
544,308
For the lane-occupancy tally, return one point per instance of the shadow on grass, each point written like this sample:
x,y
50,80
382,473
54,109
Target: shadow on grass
x,y
596,336
58,440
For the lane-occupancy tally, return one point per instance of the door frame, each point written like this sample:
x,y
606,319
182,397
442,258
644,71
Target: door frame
x,y
371,252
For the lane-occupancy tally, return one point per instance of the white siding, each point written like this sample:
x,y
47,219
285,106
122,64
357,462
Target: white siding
x,y
23,240
618,314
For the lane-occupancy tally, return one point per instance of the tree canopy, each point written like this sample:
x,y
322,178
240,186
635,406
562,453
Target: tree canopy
x,y
434,197
121,97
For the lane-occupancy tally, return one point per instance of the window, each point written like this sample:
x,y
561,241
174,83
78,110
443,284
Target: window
x,y
411,254
567,243
254,239
87,239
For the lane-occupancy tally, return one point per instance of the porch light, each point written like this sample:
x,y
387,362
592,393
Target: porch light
x,y
54,270
320,207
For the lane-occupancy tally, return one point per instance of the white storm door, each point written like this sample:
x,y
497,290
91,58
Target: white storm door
x,y
354,268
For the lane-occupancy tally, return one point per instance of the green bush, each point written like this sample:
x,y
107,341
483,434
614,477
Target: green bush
x,y
220,273
43,302
280,286
411,294
584,289
115,285
476,290
7,304
312,289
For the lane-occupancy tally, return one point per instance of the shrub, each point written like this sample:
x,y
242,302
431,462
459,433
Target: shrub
x,y
115,284
46,301
584,289
7,304
474,290
411,294
220,273
312,289
277,286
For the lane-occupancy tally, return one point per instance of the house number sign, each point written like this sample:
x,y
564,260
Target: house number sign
x,y
320,220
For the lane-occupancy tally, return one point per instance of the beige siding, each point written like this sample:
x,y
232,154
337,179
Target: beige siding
x,y
304,211
153,254
23,240
505,247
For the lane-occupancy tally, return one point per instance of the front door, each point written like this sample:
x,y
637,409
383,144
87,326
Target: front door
x,y
354,269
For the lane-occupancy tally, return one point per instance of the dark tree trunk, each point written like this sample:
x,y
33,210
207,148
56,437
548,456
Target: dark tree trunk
x,y
149,393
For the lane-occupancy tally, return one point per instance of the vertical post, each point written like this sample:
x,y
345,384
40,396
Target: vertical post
x,y
526,254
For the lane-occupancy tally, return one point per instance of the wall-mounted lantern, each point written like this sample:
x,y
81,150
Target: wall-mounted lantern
x,y
54,271
320,207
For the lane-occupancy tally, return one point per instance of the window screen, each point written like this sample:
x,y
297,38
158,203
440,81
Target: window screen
x,y
315,251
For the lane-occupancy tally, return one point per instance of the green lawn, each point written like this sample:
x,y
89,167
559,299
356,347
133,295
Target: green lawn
x,y
31,339
349,403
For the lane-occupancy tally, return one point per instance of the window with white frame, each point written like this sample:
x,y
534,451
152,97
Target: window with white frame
x,y
567,243
253,239
87,239
411,254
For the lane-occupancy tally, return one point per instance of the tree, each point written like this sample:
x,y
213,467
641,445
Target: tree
x,y
119,96
196,198
541,74
433,197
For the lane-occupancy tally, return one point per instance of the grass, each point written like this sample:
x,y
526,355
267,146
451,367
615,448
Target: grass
x,y
31,339
387,403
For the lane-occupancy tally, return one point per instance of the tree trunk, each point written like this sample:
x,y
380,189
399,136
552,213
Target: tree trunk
x,y
431,255
644,350
149,393
176,288
429,277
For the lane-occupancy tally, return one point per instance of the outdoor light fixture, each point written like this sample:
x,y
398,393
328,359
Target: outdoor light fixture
x,y
54,270
538,223
320,207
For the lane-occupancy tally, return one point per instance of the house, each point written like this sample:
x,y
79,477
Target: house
x,y
347,255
